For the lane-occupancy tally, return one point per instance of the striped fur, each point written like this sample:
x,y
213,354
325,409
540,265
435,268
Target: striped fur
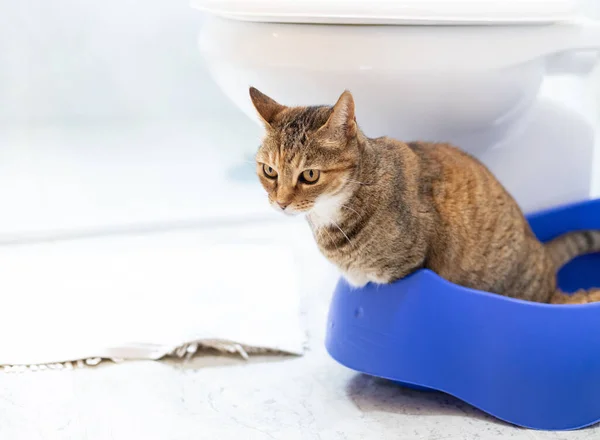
x,y
564,249
573,244
383,209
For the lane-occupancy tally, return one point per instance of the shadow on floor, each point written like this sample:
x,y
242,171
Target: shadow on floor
x,y
371,394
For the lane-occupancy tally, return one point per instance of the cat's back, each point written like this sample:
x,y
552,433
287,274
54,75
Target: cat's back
x,y
444,155
482,235
457,184
455,172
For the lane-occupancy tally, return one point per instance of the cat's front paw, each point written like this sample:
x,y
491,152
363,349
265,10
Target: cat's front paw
x,y
356,280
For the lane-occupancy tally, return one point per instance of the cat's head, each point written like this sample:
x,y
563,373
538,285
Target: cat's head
x,y
308,154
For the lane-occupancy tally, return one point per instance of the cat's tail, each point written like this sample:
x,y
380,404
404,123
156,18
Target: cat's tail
x,y
582,296
562,250
573,244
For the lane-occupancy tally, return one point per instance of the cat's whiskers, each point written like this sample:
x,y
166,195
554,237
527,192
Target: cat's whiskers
x,y
350,209
343,233
310,223
322,228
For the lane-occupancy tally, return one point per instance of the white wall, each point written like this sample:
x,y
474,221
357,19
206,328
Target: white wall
x,y
109,119
593,10
83,60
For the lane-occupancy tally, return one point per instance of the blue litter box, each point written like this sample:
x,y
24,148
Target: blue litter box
x,y
532,365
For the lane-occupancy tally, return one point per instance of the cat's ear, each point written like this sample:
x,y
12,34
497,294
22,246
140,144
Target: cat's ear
x,y
266,107
342,121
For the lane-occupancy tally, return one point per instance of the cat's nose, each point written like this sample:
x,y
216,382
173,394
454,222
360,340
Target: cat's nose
x,y
283,205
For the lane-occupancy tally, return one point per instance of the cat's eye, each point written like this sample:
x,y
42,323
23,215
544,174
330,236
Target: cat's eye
x,y
269,171
310,176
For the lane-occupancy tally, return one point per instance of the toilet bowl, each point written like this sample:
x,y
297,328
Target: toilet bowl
x,y
481,74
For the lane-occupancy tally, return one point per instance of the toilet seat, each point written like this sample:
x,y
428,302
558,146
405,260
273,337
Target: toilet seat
x,y
387,48
393,12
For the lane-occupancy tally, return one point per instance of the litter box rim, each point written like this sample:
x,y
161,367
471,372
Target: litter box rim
x,y
355,346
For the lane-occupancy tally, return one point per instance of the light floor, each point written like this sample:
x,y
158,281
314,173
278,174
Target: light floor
x,y
213,398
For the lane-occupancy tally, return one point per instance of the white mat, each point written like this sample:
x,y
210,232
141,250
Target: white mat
x,y
143,296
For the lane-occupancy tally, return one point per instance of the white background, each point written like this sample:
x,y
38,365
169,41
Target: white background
x,y
109,119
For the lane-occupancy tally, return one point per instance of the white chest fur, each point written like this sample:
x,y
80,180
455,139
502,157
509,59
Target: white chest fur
x,y
327,210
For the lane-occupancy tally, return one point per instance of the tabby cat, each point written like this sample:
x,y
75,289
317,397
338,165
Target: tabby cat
x,y
381,209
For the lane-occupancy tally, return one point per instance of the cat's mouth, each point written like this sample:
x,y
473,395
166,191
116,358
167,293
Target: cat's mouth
x,y
288,211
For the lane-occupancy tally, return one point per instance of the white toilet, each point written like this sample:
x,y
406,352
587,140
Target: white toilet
x,y
503,79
